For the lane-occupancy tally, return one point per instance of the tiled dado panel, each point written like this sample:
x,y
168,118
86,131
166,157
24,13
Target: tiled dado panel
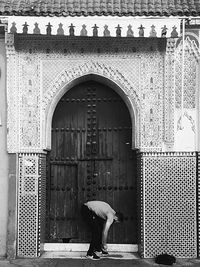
x,y
169,204
31,204
198,200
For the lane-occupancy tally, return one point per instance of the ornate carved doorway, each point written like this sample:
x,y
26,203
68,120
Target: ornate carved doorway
x,y
91,158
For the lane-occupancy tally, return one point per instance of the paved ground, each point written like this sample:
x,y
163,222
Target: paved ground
x,y
105,262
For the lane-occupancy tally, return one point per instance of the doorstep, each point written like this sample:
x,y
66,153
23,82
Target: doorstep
x,y
79,250
81,255
73,247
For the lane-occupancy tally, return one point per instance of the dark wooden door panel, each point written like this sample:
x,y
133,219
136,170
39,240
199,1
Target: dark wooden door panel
x,y
91,158
63,200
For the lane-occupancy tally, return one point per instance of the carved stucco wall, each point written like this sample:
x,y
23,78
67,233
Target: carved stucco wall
x,y
147,79
41,77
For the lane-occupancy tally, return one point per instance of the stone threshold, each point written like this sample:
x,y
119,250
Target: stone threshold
x,y
78,251
82,255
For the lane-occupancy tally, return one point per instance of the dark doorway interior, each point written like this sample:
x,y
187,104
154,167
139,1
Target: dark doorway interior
x,y
91,158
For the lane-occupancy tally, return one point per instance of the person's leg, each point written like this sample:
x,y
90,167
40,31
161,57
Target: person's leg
x,y
99,249
91,251
94,239
90,218
99,231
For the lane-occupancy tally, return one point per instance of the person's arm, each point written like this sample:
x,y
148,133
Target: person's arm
x,y
106,228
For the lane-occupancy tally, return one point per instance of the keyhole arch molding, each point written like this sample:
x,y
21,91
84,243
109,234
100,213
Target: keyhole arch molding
x,y
87,72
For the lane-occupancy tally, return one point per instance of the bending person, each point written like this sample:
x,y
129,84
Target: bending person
x,y
99,216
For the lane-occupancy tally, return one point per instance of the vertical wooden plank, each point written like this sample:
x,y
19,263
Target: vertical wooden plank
x,y
56,201
53,202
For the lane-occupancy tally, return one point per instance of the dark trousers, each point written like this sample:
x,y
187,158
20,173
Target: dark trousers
x,y
95,224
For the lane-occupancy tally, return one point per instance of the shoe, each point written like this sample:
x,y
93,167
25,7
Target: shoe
x,y
101,253
93,257
98,253
104,253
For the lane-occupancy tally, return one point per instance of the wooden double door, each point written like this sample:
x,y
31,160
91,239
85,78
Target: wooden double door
x,y
91,159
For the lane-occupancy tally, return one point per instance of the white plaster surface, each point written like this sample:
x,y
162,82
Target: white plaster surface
x,y
185,131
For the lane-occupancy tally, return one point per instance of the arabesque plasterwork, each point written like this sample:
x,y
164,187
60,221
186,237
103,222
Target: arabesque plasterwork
x,y
95,68
168,98
186,94
29,88
138,79
37,80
